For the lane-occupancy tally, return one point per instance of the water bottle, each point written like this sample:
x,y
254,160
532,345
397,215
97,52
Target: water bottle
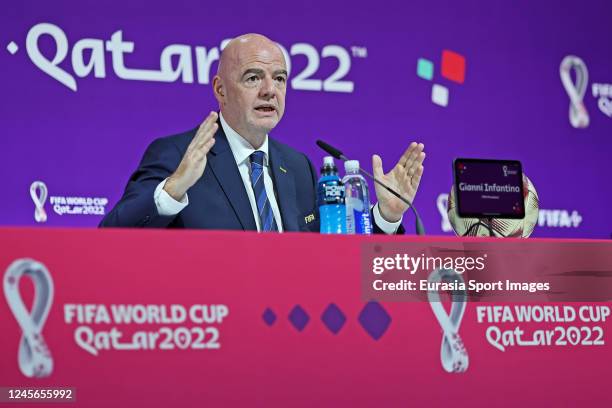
x,y
357,200
330,196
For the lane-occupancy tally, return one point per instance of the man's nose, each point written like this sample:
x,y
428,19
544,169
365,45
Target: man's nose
x,y
267,88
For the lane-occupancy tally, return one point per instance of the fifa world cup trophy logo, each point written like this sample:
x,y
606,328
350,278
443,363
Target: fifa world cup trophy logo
x,y
442,204
578,115
453,354
33,356
38,192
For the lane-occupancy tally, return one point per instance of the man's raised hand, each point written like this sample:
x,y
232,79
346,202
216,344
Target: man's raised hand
x,y
193,163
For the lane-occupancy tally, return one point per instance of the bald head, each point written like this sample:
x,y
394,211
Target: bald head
x,y
250,86
242,44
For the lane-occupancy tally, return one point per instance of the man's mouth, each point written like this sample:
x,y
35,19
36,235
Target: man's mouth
x,y
265,108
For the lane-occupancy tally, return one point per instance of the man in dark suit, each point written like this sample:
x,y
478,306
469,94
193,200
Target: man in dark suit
x,y
228,174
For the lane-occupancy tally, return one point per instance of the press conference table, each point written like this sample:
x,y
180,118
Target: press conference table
x,y
164,318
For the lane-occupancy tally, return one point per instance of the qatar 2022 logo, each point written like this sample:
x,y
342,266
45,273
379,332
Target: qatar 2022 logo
x,y
39,192
576,90
33,355
64,205
453,354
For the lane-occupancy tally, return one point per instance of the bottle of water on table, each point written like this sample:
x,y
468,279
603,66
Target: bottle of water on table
x,y
330,197
357,200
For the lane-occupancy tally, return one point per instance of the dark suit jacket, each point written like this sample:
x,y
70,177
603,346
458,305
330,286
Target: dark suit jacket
x,y
218,200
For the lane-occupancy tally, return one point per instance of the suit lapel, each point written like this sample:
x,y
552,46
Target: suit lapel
x,y
285,188
223,166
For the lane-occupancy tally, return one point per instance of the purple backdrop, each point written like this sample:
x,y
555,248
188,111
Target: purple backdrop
x,y
84,143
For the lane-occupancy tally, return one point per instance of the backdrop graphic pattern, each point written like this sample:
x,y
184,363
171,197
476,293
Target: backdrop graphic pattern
x,y
81,128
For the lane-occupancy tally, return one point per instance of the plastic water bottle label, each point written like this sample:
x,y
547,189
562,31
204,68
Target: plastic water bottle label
x,y
363,223
333,191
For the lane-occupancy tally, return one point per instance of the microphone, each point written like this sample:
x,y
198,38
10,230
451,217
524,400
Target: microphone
x,y
337,154
420,229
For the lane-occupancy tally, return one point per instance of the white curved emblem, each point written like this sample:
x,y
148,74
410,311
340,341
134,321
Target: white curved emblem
x,y
33,356
453,354
38,192
578,115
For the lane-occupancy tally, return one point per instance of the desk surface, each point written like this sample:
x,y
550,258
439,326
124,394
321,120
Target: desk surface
x,y
225,318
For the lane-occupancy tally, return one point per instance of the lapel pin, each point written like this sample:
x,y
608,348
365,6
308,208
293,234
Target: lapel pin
x,y
282,169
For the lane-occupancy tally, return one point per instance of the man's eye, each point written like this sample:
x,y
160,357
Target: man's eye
x,y
252,78
281,79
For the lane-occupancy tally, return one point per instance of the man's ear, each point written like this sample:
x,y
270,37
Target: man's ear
x,y
218,89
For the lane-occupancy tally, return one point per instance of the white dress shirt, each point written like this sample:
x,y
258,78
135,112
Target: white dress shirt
x,y
242,150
